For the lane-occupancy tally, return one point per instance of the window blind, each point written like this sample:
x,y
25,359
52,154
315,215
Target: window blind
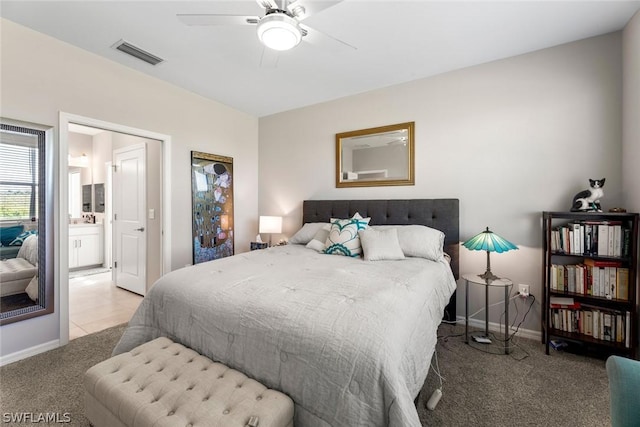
x,y
18,181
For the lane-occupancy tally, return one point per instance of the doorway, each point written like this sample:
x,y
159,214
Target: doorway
x,y
99,198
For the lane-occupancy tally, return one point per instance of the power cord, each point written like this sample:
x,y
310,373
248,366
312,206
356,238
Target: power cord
x,y
510,339
437,393
492,305
533,300
445,338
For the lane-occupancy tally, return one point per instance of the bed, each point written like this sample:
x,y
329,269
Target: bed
x,y
350,341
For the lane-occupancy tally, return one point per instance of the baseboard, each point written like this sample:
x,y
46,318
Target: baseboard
x,y
497,328
28,352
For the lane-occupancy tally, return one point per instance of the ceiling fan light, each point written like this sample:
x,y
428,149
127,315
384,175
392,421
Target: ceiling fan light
x,y
279,31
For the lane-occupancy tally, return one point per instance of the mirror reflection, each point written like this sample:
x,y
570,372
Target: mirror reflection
x,y
375,157
26,282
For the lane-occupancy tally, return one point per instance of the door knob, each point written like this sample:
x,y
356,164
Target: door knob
x,y
140,229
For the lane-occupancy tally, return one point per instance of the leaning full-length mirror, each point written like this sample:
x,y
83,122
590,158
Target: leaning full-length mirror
x,y
26,221
375,157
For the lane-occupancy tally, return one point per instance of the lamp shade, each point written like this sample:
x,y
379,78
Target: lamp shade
x,y
488,241
270,224
279,31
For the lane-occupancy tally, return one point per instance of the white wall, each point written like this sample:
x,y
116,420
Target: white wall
x,y
509,138
82,145
630,118
631,108
41,77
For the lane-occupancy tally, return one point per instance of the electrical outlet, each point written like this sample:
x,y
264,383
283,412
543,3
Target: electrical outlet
x,y
523,290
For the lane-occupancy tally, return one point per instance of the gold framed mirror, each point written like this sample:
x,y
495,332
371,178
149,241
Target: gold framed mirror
x,y
375,157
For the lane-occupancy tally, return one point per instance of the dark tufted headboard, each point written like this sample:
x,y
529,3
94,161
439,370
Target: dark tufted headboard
x,y
441,214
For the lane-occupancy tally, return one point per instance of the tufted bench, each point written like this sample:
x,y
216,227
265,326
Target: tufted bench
x,y
15,275
162,383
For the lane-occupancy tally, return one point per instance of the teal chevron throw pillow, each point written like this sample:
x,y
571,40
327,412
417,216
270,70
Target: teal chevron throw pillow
x,y
22,237
343,237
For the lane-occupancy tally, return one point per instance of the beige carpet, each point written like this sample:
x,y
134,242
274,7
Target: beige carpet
x,y
51,382
526,388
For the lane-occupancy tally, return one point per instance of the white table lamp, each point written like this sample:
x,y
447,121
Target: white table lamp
x,y
270,225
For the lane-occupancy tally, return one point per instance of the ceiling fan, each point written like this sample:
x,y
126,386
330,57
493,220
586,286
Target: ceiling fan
x,y
278,29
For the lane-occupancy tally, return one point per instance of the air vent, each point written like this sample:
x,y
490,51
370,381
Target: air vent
x,y
136,52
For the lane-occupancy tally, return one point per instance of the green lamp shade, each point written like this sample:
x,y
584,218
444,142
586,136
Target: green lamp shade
x,y
490,242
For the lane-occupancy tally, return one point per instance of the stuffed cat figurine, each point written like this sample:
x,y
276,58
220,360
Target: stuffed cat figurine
x,y
589,200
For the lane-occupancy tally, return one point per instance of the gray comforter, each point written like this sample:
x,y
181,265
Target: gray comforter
x,y
349,340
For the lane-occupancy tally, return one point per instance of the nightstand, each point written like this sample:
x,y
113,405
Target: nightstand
x,y
498,283
259,245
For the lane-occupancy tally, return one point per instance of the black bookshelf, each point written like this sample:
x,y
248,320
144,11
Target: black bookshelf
x,y
557,251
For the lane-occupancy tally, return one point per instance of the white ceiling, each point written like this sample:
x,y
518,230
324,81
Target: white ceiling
x,y
397,41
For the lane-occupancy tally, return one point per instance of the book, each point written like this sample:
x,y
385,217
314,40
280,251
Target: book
x,y
627,330
619,328
571,278
622,279
617,240
606,327
558,344
610,241
594,240
576,241
603,239
595,286
595,315
561,275
602,263
626,243
612,283
566,246
562,302
589,239
581,284
588,323
589,280
603,281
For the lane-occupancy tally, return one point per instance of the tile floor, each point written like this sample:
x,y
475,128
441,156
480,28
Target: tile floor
x,y
95,303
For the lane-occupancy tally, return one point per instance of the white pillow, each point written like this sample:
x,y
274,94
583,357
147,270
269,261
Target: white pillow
x,y
343,237
29,249
378,245
419,241
306,233
318,241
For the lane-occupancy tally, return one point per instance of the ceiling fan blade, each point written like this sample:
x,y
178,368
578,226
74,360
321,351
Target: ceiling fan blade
x,y
268,4
310,7
318,38
213,19
269,58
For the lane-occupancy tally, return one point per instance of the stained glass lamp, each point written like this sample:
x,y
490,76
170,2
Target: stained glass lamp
x,y
490,242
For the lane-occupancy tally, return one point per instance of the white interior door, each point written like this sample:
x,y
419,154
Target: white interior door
x,y
108,215
129,219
